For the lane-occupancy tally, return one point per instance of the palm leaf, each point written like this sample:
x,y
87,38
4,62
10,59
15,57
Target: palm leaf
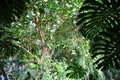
x,y
75,71
107,44
95,16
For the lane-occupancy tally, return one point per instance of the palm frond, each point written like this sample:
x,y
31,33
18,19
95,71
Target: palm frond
x,y
95,16
107,44
76,71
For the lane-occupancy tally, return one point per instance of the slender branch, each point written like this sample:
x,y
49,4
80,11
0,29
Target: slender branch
x,y
28,52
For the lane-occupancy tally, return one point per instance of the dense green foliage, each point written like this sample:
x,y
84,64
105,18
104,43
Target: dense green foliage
x,y
44,43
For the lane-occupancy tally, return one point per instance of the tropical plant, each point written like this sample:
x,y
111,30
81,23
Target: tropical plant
x,y
98,21
77,69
